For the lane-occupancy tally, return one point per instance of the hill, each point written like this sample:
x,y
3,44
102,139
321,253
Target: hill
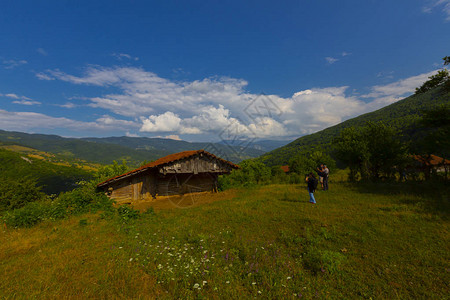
x,y
106,150
402,115
373,242
53,178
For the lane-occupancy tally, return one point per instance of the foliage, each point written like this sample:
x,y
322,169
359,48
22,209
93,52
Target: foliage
x,y
251,172
85,198
17,193
374,150
442,78
436,122
127,213
305,163
402,115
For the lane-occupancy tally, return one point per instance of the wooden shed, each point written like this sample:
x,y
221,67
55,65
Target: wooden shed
x,y
175,174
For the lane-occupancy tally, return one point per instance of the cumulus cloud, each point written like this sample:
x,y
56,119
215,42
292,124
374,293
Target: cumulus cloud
x,y
165,122
211,105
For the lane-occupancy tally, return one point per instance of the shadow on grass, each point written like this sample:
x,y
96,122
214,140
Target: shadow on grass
x,y
432,196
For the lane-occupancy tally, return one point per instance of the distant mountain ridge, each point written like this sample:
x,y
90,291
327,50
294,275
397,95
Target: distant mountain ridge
x,y
402,115
133,149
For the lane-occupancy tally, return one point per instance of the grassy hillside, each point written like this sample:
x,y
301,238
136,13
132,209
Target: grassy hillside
x,y
54,178
106,150
402,115
379,242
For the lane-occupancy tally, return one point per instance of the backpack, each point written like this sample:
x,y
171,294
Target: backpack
x,y
315,183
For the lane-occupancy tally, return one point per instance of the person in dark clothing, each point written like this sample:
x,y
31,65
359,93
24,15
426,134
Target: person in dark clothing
x,y
312,185
326,173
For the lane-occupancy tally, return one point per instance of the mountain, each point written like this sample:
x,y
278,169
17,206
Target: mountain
x,y
263,145
402,115
133,149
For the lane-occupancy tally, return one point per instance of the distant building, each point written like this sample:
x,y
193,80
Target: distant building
x,y
431,162
175,174
285,169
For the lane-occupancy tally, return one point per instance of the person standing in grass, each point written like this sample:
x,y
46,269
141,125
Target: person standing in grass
x,y
326,173
312,185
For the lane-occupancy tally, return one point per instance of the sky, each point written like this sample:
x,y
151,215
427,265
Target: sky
x,y
211,70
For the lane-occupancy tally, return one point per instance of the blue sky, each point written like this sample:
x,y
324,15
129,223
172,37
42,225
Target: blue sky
x,y
198,70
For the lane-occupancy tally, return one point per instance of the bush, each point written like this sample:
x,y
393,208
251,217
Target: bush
x,y
127,213
26,216
17,193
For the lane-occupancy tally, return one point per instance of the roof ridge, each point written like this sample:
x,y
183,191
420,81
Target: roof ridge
x,y
165,160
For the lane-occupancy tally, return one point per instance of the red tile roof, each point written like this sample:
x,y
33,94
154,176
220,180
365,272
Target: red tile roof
x,y
165,160
433,160
285,169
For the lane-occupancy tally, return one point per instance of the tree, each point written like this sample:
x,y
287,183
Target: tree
x,y
436,122
374,150
352,149
442,78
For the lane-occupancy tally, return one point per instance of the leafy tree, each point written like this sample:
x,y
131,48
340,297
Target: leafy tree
x,y
386,150
373,150
446,60
437,121
442,78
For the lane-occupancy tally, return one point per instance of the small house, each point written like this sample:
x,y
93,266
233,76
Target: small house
x,y
174,174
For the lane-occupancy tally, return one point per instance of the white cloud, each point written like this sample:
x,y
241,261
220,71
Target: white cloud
x,y
444,5
161,123
42,51
27,102
13,96
121,56
400,87
25,121
21,99
129,134
209,106
345,54
11,63
68,105
170,136
331,60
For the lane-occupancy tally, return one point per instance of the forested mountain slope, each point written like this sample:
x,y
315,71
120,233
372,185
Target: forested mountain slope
x,y
402,115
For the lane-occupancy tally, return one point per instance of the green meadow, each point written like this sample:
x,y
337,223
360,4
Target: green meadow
x,y
359,241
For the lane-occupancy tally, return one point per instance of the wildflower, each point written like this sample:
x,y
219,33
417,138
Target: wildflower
x,y
205,282
259,292
131,259
289,278
227,282
253,283
196,286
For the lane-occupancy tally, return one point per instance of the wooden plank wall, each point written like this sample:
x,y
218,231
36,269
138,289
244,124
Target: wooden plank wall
x,y
194,174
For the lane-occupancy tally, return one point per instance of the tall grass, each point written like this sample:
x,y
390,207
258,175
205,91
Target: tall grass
x,y
377,241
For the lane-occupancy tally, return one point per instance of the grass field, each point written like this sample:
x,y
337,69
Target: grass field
x,y
358,241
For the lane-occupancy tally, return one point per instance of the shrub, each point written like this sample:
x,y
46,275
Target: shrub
x,y
127,213
26,216
17,193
